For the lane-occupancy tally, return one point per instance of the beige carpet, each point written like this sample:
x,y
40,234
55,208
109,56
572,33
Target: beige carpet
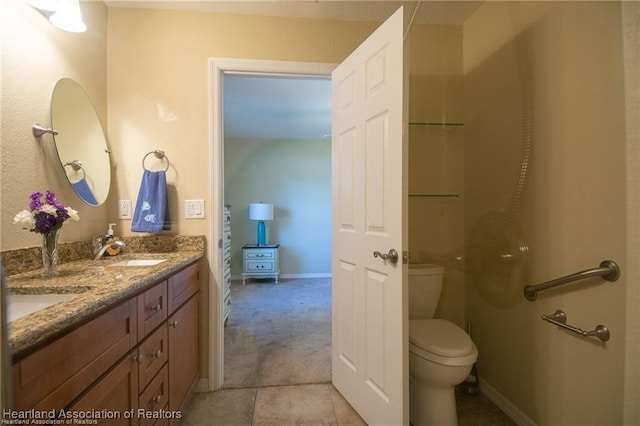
x,y
278,334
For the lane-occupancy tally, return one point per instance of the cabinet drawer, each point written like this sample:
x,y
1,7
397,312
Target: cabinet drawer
x,y
183,285
152,308
259,254
152,356
155,397
260,266
53,376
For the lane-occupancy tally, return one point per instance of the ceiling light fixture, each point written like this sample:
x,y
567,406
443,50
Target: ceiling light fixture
x,y
66,13
68,17
46,5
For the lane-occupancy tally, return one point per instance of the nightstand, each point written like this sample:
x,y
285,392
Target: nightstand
x,y
260,261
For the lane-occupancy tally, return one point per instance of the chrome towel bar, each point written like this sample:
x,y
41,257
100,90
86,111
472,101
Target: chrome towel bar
x,y
608,270
559,318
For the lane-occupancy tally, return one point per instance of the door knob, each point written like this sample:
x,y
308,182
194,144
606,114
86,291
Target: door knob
x,y
392,256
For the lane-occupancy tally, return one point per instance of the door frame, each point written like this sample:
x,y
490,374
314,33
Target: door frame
x,y
217,68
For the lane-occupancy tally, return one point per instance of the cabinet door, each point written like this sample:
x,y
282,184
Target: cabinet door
x,y
184,353
116,393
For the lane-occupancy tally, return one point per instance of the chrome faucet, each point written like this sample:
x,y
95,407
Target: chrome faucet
x,y
101,244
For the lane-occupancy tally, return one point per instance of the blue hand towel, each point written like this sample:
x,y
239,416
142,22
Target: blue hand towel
x,y
82,189
152,209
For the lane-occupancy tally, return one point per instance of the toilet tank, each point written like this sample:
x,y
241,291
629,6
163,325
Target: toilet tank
x,y
425,285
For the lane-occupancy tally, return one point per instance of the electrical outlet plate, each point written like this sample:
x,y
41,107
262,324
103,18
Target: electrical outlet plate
x,y
124,209
194,209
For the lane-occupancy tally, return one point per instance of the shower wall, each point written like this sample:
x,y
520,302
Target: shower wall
x,y
546,76
436,158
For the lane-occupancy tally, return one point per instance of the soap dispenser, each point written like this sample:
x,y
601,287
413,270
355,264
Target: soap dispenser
x,y
112,249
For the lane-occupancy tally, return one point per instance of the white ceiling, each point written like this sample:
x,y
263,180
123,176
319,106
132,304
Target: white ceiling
x,y
276,107
452,12
290,108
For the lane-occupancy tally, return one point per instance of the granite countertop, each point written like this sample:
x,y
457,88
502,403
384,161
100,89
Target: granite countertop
x,y
96,287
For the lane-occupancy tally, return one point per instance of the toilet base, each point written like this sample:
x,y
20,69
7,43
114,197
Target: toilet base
x,y
431,405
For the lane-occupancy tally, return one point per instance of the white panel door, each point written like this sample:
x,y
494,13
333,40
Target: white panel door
x,y
369,325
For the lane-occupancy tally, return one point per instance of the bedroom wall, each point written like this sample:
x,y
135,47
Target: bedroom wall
x,y
295,176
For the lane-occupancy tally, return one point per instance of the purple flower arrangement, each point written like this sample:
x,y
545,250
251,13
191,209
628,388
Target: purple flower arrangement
x,y
45,215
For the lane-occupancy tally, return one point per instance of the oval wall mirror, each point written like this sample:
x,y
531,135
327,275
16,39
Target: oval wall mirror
x,y
80,142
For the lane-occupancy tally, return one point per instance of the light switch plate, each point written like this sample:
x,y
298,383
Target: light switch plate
x,y
194,209
124,209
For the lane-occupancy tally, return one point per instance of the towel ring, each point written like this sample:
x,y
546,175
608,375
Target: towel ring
x,y
76,165
159,155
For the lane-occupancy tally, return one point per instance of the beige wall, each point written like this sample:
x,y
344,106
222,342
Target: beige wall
x,y
631,31
572,213
35,55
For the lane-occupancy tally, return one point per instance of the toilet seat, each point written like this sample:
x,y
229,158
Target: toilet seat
x,y
442,342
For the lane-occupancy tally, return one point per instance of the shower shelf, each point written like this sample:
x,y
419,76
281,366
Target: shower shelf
x,y
433,195
436,124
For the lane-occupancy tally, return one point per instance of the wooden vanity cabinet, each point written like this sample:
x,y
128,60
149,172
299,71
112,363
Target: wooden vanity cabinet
x,y
143,354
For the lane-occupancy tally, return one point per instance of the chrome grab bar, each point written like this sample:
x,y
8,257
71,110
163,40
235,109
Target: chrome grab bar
x,y
608,270
559,318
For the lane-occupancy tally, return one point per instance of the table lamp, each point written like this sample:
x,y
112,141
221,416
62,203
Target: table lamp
x,y
261,212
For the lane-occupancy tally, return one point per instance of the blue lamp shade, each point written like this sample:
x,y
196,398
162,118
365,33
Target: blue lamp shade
x,y
261,212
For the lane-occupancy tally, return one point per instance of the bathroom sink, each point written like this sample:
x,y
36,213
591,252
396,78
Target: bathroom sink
x,y
139,262
20,305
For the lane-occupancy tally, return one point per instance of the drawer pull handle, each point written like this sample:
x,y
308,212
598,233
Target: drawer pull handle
x,y
156,308
174,324
139,358
157,399
157,353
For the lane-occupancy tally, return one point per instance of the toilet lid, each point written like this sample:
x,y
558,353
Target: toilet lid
x,y
440,337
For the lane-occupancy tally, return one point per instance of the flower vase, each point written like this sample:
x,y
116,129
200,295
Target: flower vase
x,y
50,253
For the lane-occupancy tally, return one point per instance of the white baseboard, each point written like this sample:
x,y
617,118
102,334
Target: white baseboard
x,y
313,275
285,276
520,418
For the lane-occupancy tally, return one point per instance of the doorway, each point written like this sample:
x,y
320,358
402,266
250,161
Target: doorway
x,y
219,68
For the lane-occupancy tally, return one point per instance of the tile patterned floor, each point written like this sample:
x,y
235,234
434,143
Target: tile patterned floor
x,y
278,366
318,404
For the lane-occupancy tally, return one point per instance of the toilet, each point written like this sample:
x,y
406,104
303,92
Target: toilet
x,y
441,354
